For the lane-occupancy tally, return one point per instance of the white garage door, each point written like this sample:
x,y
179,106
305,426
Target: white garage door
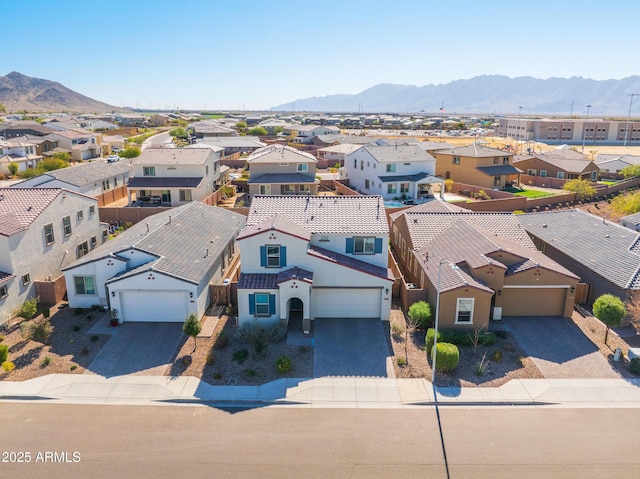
x,y
160,306
346,303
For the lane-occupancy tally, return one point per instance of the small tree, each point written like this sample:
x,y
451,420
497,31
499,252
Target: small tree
x,y
130,152
62,155
29,308
13,168
610,310
258,131
420,314
633,308
630,171
580,187
192,328
178,133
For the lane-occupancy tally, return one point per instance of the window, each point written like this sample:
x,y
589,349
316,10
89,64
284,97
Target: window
x,y
355,163
561,174
149,171
496,161
531,172
303,167
48,234
497,181
105,185
115,181
391,168
543,173
305,189
464,311
361,164
505,160
85,285
105,235
66,225
92,210
456,160
273,256
83,248
392,188
324,238
94,242
364,245
262,304
404,187
4,292
366,184
80,215
265,189
26,279
185,195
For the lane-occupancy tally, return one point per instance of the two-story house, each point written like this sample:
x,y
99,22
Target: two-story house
x,y
174,176
314,257
91,179
281,170
392,171
81,144
159,269
42,230
477,165
306,133
21,152
485,263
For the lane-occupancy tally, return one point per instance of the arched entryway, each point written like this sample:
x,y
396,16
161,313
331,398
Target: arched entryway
x,y
295,313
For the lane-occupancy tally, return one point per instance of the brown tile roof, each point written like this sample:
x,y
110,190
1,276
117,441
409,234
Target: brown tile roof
x,y
280,154
173,156
278,223
474,150
5,277
19,207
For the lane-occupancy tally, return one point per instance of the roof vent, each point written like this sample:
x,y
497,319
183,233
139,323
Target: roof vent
x,y
544,225
415,221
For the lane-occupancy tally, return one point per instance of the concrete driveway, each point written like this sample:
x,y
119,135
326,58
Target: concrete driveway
x,y
350,347
559,348
138,348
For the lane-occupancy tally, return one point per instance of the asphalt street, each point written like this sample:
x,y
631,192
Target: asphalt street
x,y
200,441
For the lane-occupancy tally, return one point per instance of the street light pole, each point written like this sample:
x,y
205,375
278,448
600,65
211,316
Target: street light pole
x,y
626,133
584,133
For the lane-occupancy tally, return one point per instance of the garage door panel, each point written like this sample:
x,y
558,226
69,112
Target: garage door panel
x,y
346,303
534,302
153,306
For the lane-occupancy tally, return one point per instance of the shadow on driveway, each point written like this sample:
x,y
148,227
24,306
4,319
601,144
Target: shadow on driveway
x,y
142,348
559,348
350,347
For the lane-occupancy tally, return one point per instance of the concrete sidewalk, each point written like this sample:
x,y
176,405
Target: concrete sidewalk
x,y
328,392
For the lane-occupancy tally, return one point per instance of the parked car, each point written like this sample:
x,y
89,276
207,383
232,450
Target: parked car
x,y
113,159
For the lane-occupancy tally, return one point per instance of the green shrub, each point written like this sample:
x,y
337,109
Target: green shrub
x,y
396,330
240,356
77,311
420,314
447,357
29,309
497,356
46,313
46,361
211,358
8,366
94,337
4,352
634,366
402,362
430,339
501,334
222,341
283,364
41,330
74,367
217,375
465,338
76,328
1,337
251,373
259,337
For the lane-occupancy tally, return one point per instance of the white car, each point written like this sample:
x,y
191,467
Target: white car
x,y
113,159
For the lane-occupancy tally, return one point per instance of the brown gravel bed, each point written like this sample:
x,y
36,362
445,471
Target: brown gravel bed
x,y
70,351
223,370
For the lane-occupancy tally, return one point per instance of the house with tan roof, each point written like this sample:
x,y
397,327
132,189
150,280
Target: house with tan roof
x,y
159,270
81,144
477,165
565,164
174,176
486,266
19,151
306,133
42,230
306,258
281,170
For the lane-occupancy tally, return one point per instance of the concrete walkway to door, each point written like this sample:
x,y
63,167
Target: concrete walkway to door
x,y
559,349
350,347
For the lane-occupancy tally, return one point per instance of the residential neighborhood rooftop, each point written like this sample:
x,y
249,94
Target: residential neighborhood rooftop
x,y
172,156
474,150
85,173
280,154
396,153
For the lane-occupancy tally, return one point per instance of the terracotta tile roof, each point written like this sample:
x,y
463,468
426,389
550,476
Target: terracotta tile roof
x,y
19,207
324,214
349,262
609,249
5,277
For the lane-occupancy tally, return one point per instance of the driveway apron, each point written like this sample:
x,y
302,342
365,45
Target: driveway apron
x,y
350,347
558,348
138,348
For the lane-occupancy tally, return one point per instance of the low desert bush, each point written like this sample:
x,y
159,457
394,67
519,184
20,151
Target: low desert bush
x,y
36,330
634,366
8,366
465,338
29,309
240,356
251,373
447,357
420,314
217,375
94,338
396,330
402,362
77,311
46,313
430,339
76,328
283,364
211,358
46,361
497,356
222,341
74,367
4,352
259,337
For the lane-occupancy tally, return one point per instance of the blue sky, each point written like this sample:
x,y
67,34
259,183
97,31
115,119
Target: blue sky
x,y
250,54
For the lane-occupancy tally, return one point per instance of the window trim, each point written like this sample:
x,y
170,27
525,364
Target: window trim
x,y
258,304
183,194
302,168
82,248
4,291
51,233
459,310
92,210
84,285
66,225
80,215
26,279
364,240
274,255
148,171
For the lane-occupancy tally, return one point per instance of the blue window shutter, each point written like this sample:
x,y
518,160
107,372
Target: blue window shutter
x,y
350,245
272,304
283,256
378,245
252,304
263,256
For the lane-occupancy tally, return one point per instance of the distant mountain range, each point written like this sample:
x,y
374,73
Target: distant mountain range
x,y
489,94
22,92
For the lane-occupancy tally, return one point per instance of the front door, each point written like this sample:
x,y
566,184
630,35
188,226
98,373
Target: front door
x,y
166,196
